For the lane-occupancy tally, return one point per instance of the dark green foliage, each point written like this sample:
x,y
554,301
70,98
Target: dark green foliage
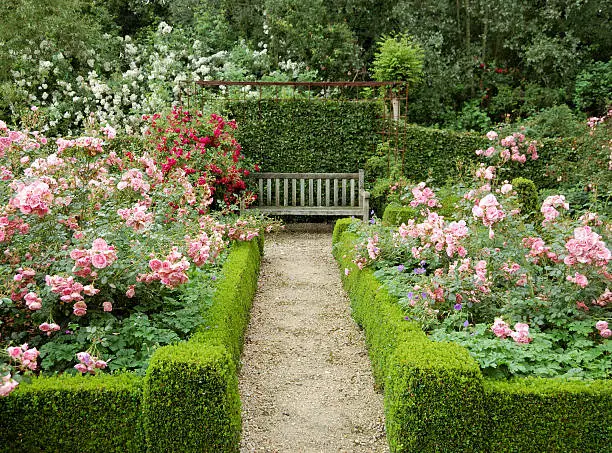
x,y
553,415
396,214
303,136
191,400
437,400
188,401
593,90
527,193
74,413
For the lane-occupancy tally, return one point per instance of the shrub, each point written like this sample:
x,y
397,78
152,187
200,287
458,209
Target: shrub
x,y
436,398
191,400
305,136
527,194
74,413
396,214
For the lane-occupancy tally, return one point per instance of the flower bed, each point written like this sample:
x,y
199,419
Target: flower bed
x,y
188,400
108,255
436,398
526,292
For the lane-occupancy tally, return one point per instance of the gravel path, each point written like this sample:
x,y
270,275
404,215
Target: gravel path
x,y
305,382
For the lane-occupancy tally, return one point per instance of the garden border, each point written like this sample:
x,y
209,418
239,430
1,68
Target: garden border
x,y
188,400
436,398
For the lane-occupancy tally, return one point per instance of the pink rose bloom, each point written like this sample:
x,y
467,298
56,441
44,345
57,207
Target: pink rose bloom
x,y
33,301
346,271
79,308
506,188
107,306
601,325
500,328
100,364
578,279
14,351
99,261
492,135
606,333
489,151
131,292
89,290
99,245
30,354
155,265
81,368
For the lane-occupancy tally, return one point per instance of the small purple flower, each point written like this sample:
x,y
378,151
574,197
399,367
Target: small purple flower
x,y
410,295
458,307
213,277
466,323
68,332
419,270
401,268
406,318
372,221
423,263
424,295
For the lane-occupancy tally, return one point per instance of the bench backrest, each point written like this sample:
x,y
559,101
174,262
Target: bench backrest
x,y
309,189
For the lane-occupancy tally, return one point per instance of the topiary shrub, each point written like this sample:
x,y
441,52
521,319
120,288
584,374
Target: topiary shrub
x,y
395,214
527,193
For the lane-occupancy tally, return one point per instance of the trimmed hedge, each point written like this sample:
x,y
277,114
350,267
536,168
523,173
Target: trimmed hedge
x,y
395,214
298,135
436,398
187,402
191,400
74,413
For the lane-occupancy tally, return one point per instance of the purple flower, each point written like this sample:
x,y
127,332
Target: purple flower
x,y
466,323
406,318
213,277
410,295
400,268
424,295
419,270
423,263
372,221
458,307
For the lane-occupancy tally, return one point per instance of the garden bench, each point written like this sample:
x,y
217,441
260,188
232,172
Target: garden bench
x,y
329,194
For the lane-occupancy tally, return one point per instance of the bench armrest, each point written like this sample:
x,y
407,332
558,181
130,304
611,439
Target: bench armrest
x,y
365,204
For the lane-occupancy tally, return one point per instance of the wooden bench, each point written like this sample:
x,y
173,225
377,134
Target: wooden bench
x,y
329,194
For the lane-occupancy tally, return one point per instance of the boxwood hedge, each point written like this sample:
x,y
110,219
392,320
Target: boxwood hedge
x,y
187,402
436,398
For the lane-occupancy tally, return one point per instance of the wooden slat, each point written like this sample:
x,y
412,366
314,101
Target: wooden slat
x,y
307,175
286,193
352,192
310,192
269,188
277,192
327,190
311,210
335,192
294,192
343,191
302,193
261,192
319,192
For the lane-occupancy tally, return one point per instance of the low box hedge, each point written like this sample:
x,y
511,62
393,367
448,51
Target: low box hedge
x,y
187,402
436,398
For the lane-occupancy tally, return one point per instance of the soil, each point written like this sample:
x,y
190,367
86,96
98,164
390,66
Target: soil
x,y
305,382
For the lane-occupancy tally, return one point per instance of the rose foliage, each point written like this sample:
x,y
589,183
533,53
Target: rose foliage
x,y
99,248
525,297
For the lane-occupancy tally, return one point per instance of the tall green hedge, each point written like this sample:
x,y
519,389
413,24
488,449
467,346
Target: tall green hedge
x,y
187,402
306,136
436,398
191,400
73,413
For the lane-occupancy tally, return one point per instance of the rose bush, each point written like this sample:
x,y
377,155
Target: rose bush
x,y
100,248
524,297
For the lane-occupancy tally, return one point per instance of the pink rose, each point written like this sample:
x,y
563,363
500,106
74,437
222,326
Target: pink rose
x,y
14,351
601,325
606,333
99,261
107,306
155,265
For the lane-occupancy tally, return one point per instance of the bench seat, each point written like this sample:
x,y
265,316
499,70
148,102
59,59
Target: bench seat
x,y
311,194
